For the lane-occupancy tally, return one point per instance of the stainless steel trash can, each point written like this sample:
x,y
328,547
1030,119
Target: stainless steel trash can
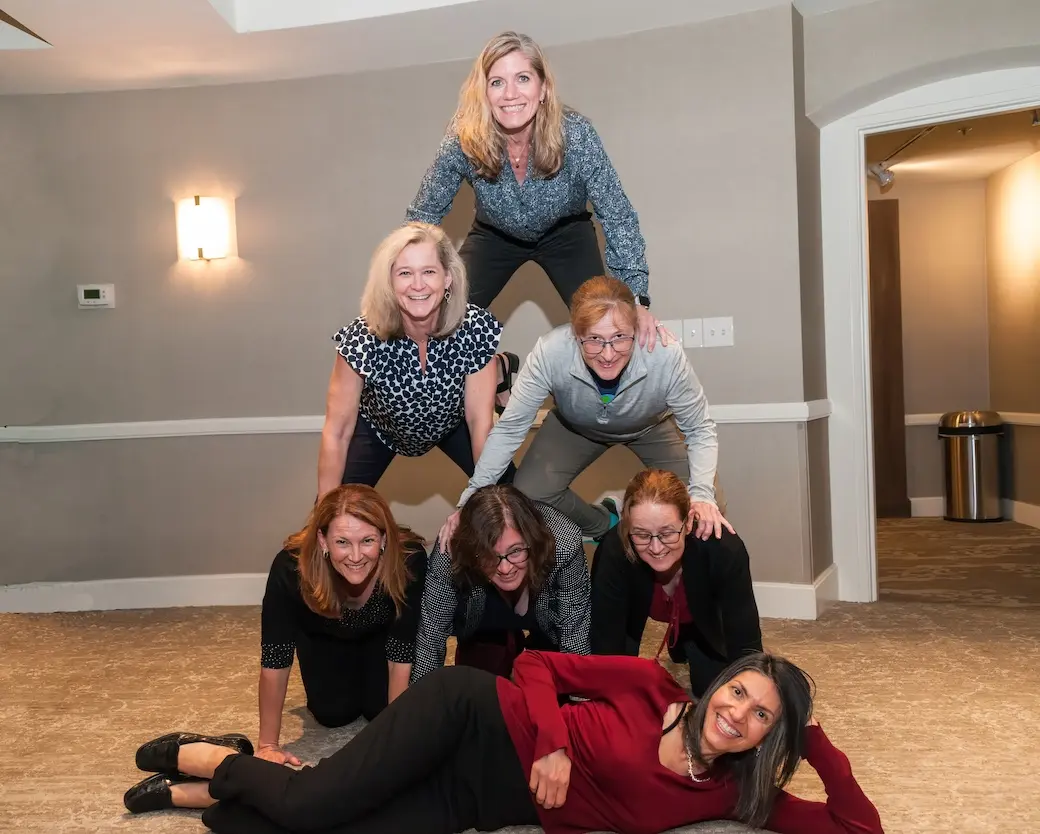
x,y
971,463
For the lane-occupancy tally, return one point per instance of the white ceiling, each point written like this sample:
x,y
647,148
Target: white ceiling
x,y
946,154
134,44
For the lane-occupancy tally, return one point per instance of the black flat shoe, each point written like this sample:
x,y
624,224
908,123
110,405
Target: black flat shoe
x,y
160,754
153,793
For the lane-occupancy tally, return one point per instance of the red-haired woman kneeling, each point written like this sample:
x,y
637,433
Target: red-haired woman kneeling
x,y
344,596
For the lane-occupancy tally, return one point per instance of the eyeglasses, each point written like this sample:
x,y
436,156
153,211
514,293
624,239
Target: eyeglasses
x,y
594,345
644,539
515,556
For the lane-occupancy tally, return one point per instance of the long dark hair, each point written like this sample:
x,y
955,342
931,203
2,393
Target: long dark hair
x,y
482,521
760,775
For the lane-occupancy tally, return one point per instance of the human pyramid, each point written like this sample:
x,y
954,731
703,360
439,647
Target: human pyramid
x,y
548,716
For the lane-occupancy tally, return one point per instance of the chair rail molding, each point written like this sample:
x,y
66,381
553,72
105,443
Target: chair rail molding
x,y
792,412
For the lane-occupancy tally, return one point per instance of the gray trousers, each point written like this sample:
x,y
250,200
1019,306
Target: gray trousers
x,y
558,455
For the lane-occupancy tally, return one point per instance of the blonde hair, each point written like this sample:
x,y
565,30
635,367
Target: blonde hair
x,y
379,303
323,589
652,486
480,135
597,297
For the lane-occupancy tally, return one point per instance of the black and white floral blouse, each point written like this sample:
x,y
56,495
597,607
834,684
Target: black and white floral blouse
x,y
412,410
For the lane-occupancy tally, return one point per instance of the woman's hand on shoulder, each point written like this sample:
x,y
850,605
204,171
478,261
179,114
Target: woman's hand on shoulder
x,y
709,520
451,524
648,328
550,778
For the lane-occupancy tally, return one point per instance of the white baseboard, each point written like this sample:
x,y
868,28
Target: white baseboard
x,y
144,592
775,599
826,588
1028,514
929,507
796,601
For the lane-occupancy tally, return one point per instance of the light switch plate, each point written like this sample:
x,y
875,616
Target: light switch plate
x,y
673,326
96,295
692,333
718,332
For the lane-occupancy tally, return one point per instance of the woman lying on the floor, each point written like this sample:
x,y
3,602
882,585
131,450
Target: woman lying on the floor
x,y
344,595
463,749
516,566
652,567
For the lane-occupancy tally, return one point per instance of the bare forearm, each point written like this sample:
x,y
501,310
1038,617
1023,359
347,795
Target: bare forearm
x,y
332,459
273,684
398,679
478,435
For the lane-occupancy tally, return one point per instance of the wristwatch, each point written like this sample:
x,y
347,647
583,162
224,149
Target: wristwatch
x,y
643,301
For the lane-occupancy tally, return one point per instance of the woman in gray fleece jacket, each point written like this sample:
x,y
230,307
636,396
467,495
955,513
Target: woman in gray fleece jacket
x,y
607,391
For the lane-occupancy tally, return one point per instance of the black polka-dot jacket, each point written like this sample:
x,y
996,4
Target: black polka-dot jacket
x,y
285,617
412,410
562,607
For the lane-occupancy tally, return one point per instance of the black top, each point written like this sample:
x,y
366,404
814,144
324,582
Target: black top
x,y
285,614
716,576
499,615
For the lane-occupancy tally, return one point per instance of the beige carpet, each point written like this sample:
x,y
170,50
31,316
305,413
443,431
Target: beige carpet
x,y
931,560
936,705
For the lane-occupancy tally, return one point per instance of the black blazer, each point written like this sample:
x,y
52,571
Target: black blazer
x,y
717,579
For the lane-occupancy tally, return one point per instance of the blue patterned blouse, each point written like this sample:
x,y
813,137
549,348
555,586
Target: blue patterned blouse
x,y
527,211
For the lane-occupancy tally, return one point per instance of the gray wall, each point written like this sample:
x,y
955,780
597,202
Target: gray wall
x,y
320,170
863,54
942,255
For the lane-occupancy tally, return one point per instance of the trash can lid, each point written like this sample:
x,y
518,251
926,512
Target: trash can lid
x,y
970,419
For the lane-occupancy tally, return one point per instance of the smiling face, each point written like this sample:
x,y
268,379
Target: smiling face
x,y
419,282
658,535
514,91
354,547
511,553
608,360
740,714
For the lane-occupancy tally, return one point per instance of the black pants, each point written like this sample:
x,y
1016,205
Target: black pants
x,y
568,252
438,760
368,457
343,679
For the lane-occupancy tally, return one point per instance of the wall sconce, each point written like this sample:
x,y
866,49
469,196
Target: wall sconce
x,y
203,228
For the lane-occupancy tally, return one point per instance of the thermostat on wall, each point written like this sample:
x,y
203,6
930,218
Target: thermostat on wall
x,y
96,295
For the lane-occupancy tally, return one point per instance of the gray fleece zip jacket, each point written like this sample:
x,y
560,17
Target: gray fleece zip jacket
x,y
655,386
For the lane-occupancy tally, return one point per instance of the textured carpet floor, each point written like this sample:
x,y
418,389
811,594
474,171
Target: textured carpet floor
x,y
931,560
936,706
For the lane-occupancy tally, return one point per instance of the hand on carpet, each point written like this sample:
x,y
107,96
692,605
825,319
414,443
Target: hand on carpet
x,y
274,753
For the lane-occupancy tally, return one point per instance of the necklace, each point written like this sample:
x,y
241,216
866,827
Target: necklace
x,y
516,159
689,766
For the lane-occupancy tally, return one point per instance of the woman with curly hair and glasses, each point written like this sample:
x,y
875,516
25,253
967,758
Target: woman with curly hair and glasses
x,y
344,596
516,578
650,567
574,744
534,164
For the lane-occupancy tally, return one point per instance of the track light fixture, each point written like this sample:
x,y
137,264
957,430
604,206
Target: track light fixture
x,y
879,172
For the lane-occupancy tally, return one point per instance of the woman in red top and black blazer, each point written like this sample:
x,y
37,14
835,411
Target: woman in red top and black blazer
x,y
652,566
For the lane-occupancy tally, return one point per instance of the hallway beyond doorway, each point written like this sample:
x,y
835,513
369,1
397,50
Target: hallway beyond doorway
x,y
931,560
